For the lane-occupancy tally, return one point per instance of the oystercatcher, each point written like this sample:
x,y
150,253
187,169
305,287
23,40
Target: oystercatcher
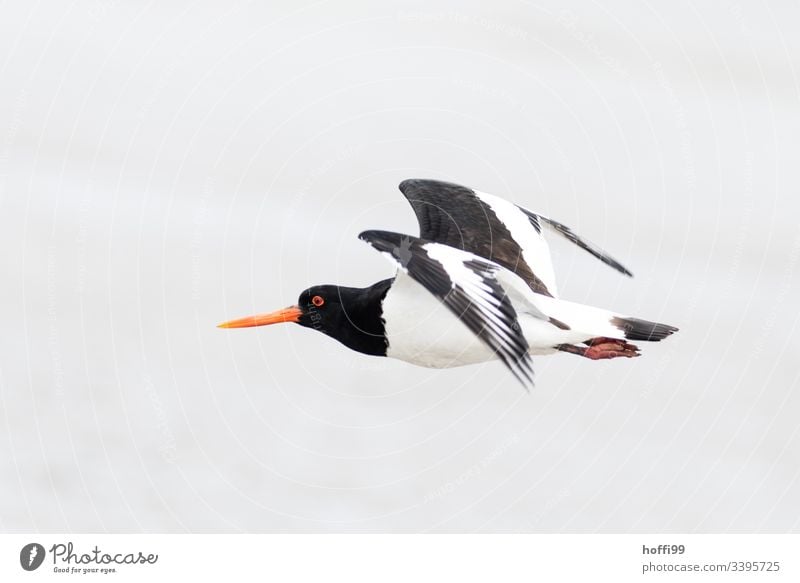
x,y
476,285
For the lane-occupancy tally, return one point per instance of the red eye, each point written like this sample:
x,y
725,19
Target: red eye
x,y
317,301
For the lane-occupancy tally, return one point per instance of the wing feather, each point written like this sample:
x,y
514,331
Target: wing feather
x,y
467,286
494,229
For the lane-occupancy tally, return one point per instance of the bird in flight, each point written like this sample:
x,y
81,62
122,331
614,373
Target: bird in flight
x,y
477,284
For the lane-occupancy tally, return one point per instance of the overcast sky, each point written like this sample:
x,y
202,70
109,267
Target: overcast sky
x,y
167,166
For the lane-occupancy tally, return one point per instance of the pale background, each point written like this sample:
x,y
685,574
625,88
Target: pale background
x,y
168,165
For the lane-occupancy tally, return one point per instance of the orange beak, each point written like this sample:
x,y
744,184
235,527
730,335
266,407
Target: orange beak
x,y
290,314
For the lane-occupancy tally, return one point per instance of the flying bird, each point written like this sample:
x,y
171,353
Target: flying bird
x,y
477,284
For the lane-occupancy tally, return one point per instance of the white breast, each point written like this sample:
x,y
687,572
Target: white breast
x,y
422,331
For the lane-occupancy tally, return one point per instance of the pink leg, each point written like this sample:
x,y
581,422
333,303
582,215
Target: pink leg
x,y
602,348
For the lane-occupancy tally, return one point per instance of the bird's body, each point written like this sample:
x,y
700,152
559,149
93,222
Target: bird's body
x,y
477,285
424,332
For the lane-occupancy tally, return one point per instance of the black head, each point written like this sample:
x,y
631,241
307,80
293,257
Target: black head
x,y
351,315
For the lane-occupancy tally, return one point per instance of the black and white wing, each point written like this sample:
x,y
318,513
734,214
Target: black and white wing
x,y
466,284
493,228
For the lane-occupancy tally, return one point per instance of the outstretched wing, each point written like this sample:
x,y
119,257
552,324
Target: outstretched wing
x,y
492,228
466,284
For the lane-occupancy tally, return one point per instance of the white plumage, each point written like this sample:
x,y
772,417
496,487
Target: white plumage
x,y
421,330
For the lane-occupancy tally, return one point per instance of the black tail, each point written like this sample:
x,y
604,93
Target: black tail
x,y
636,329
